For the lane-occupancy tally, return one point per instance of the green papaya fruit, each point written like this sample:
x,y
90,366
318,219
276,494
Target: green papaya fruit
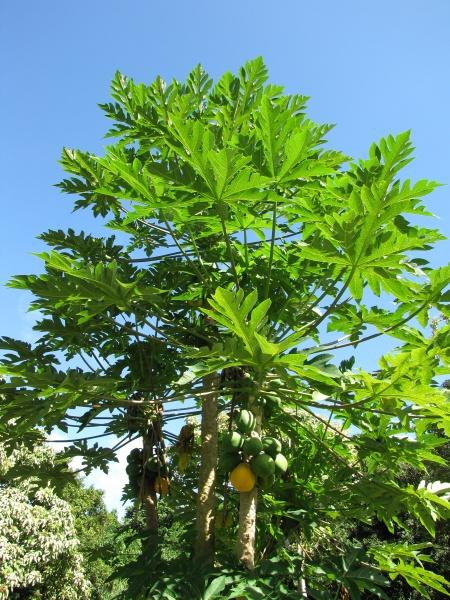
x,y
263,465
133,469
233,441
281,463
271,446
154,464
134,456
252,446
245,421
228,461
267,482
271,407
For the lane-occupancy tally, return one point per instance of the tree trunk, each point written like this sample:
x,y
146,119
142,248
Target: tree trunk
x,y
247,512
149,498
247,527
150,505
206,499
301,582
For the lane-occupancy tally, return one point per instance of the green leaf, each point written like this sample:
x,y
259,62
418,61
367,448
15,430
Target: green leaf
x,y
216,586
232,310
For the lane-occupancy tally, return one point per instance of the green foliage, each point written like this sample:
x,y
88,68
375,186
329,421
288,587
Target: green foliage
x,y
38,541
407,561
96,530
246,242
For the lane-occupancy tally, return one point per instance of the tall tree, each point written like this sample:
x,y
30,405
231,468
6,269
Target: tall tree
x,y
244,242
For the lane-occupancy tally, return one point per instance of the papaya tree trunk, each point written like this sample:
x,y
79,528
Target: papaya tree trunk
x,y
247,527
206,499
247,512
301,586
150,505
148,493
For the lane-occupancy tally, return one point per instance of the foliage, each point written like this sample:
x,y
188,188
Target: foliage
x,y
245,245
412,541
39,547
96,529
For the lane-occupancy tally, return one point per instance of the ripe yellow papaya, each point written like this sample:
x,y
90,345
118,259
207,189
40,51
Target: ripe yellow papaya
x,y
242,478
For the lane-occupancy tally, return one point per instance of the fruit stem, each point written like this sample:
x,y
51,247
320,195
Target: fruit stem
x,y
149,498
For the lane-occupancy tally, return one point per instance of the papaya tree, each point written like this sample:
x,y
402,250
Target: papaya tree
x,y
242,246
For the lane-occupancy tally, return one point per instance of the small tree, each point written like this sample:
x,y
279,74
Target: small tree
x,y
243,242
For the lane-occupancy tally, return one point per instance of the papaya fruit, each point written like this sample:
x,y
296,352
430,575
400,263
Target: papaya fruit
x,y
134,456
263,465
252,446
281,463
233,441
267,482
271,406
154,464
183,461
245,421
271,446
242,478
133,470
229,460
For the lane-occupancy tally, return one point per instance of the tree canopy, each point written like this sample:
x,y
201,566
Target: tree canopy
x,y
242,246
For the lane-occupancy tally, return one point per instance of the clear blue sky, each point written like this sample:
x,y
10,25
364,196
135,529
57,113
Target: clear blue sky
x,y
371,68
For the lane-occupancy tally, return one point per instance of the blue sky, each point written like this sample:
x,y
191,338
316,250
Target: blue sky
x,y
372,68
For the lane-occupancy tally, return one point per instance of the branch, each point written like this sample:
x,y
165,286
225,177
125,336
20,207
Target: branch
x,y
372,336
192,252
94,356
186,256
85,361
92,437
272,247
230,250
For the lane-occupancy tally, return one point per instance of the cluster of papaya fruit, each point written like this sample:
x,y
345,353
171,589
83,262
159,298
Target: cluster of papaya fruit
x,y
135,470
185,446
155,472
158,474
249,458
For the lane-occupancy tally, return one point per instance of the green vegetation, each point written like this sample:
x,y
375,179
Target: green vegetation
x,y
96,529
40,553
244,246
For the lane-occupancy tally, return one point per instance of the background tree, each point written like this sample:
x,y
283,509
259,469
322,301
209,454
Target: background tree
x,y
96,530
243,244
39,547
